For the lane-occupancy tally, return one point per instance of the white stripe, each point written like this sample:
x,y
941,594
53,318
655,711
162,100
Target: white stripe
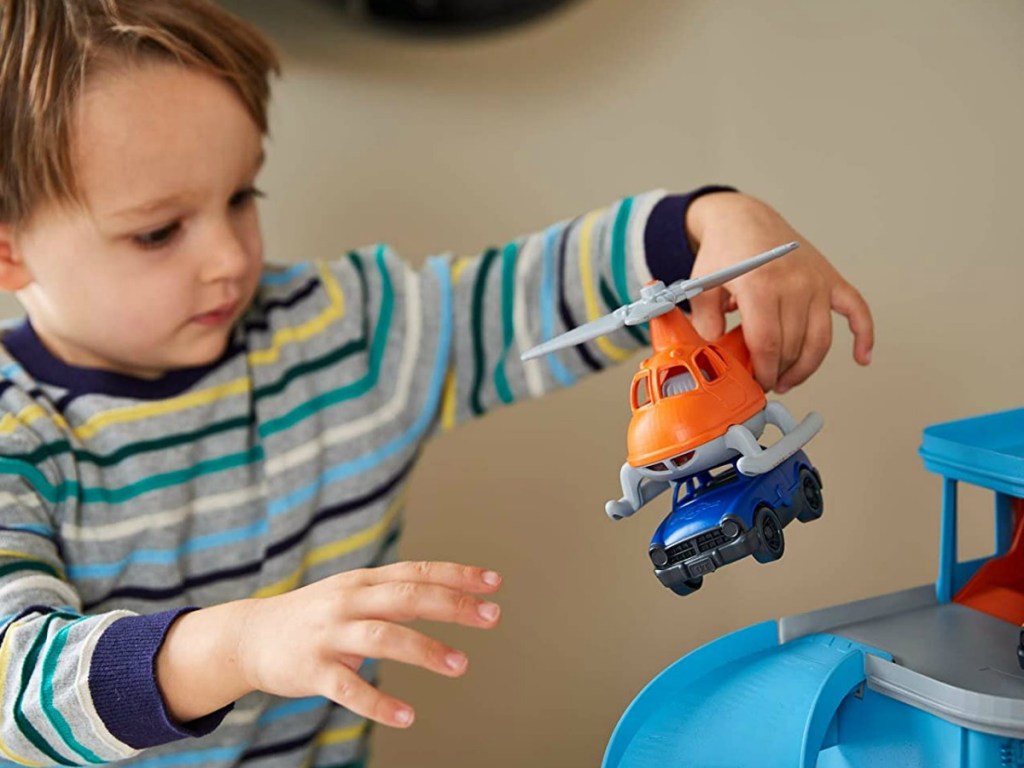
x,y
22,500
529,254
43,583
243,716
169,517
117,747
403,386
642,207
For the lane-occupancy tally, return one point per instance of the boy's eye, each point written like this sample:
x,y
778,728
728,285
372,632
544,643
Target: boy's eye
x,y
243,196
157,237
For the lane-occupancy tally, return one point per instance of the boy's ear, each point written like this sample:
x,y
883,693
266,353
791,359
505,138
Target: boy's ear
x,y
14,275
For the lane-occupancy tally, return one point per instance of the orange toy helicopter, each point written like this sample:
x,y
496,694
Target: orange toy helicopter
x,y
695,403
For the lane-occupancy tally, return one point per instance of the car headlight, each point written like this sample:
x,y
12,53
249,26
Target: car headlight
x,y
731,529
658,556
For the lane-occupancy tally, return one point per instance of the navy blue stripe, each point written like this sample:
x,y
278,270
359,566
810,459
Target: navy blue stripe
x,y
564,310
280,547
262,324
173,592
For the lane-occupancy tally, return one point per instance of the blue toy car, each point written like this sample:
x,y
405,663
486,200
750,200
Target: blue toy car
x,y
719,518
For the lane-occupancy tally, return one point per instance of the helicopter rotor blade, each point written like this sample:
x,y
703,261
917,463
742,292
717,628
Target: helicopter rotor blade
x,y
687,289
579,334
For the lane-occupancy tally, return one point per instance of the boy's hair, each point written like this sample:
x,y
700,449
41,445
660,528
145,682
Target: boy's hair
x,y
49,47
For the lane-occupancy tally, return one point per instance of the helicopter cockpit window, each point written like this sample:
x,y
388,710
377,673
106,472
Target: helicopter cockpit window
x,y
641,394
705,364
678,381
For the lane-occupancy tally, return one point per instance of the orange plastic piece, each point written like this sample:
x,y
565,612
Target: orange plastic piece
x,y
998,587
670,419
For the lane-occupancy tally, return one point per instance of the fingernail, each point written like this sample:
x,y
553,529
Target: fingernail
x,y
455,661
404,717
782,389
489,611
492,578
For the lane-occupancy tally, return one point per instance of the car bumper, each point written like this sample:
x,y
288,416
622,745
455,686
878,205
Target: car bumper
x,y
745,544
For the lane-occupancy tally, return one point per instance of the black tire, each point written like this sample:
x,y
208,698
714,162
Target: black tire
x,y
769,529
809,497
688,587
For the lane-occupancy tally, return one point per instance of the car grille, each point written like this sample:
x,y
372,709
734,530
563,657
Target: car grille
x,y
704,542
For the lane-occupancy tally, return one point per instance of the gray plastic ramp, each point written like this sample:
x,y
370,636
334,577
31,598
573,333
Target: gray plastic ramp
x,y
741,701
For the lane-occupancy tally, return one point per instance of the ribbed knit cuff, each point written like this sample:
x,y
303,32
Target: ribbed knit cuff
x,y
669,255
122,682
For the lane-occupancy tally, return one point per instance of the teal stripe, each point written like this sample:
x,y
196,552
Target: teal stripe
x,y
509,256
57,720
55,494
28,565
609,300
619,230
28,665
477,320
356,388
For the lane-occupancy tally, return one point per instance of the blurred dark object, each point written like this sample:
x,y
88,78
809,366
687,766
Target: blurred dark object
x,y
457,15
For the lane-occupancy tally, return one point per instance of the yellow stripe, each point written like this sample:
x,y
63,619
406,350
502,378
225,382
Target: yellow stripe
x,y
9,423
29,557
5,660
448,401
335,549
335,311
448,404
589,295
341,735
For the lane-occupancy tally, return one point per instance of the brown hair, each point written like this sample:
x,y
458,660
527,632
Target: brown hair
x,y
47,49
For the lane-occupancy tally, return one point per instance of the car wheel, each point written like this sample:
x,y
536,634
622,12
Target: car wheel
x,y
688,587
773,543
809,497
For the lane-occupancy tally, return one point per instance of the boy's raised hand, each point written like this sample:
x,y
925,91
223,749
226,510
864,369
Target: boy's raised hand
x,y
785,306
311,641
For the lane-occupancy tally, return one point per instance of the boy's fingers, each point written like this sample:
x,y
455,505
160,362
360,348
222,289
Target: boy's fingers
x,y
384,640
345,687
817,340
762,332
847,301
455,575
793,314
707,313
409,600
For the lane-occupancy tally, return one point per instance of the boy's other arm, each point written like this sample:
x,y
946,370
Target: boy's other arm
x,y
312,641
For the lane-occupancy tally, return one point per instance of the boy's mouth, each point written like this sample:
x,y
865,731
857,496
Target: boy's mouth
x,y
222,314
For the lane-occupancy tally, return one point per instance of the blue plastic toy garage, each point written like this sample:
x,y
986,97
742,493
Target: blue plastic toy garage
x,y
923,678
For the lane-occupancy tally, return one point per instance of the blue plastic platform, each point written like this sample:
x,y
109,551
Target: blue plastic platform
x,y
743,700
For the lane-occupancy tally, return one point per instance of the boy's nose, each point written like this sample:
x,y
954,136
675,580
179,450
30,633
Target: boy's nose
x,y
227,258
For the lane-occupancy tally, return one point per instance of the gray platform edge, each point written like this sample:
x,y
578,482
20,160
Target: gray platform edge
x,y
997,715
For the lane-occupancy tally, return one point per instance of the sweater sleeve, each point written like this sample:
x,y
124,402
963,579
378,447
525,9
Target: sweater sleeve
x,y
75,689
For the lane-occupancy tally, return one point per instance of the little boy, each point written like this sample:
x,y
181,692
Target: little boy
x,y
203,458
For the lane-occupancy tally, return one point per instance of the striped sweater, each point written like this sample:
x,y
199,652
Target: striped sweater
x,y
123,502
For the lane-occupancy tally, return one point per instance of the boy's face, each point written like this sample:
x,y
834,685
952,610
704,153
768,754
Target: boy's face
x,y
165,252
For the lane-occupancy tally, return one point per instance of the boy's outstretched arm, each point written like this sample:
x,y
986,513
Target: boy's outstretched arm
x,y
538,286
786,306
312,641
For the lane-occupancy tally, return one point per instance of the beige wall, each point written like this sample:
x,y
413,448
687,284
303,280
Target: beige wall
x,y
889,133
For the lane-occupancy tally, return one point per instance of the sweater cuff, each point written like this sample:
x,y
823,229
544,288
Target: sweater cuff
x,y
122,682
666,245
